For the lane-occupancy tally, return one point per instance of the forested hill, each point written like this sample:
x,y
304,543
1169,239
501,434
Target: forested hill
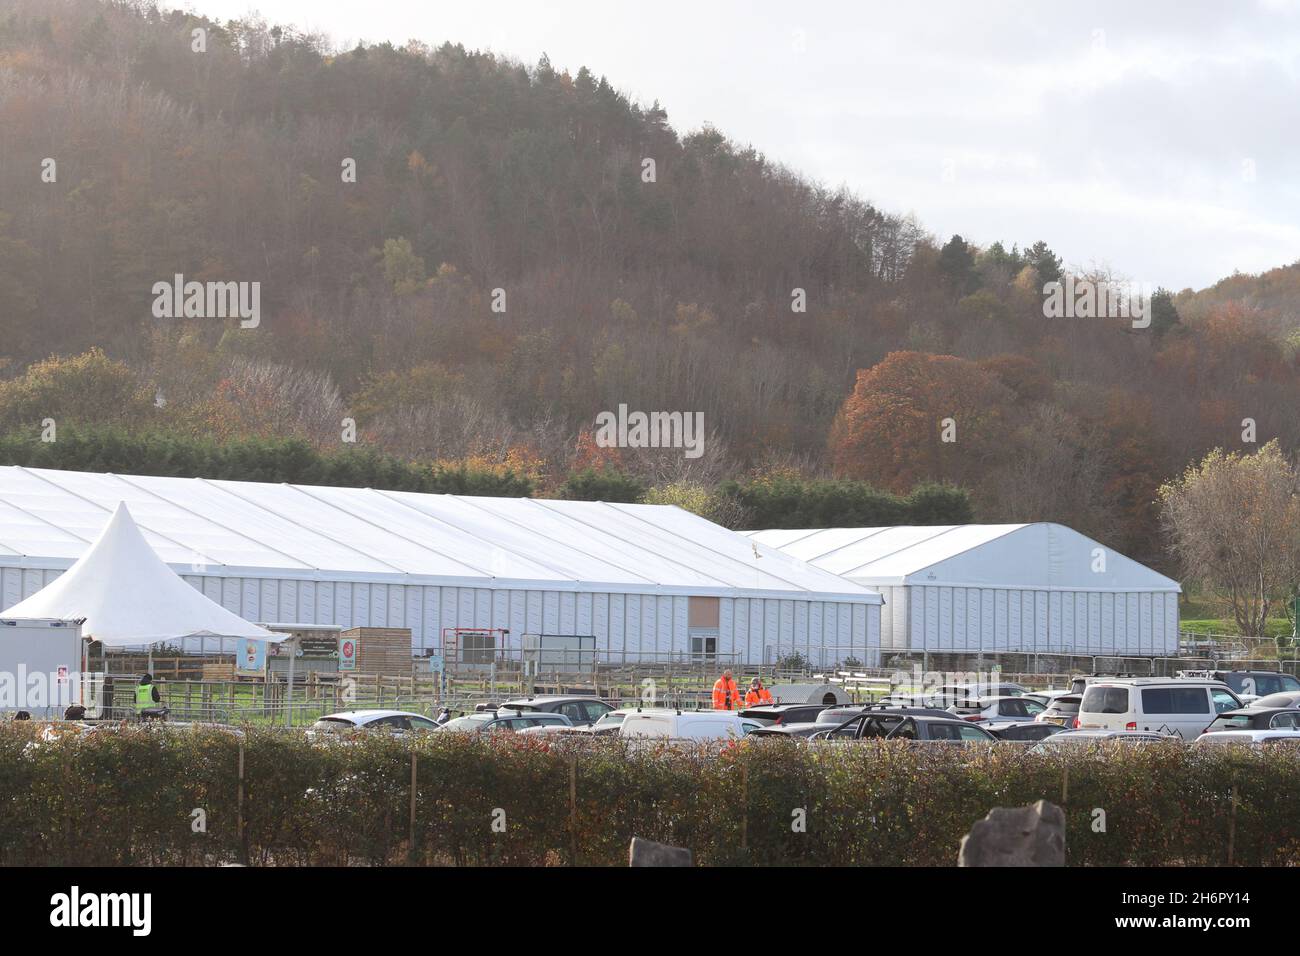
x,y
522,248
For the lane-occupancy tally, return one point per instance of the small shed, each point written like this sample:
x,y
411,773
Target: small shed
x,y
383,651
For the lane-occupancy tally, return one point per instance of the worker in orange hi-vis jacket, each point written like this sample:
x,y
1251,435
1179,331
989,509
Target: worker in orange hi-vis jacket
x,y
726,695
757,694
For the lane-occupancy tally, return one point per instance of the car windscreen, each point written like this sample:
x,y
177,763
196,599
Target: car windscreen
x,y
1105,700
1230,722
1065,705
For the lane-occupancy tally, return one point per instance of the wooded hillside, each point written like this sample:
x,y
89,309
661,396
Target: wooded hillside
x,y
480,182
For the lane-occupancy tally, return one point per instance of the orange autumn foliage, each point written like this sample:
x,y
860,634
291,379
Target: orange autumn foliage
x,y
889,431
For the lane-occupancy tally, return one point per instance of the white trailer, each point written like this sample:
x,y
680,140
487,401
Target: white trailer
x,y
40,666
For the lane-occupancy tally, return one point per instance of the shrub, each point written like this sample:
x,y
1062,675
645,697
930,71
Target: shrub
x,y
604,485
128,796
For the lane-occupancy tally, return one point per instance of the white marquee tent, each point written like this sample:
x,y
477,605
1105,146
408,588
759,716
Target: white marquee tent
x,y
125,595
1011,587
640,582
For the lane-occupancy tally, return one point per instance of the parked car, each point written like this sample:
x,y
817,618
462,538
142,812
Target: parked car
x,y
390,721
774,714
1062,711
1159,705
609,723
903,700
492,721
800,731
907,725
1081,682
986,689
1029,730
1250,683
685,725
998,708
1083,738
1045,697
1255,717
837,715
950,694
1285,699
582,711
1249,738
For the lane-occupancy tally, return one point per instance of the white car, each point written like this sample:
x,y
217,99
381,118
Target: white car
x,y
998,708
609,724
391,721
1249,738
1158,705
686,725
493,721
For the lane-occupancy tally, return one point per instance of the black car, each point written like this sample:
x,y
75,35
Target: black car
x,y
1257,718
770,715
582,711
907,725
1022,729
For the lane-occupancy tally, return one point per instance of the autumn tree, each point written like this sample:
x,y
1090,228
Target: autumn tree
x,y
916,417
1233,521
89,388
700,499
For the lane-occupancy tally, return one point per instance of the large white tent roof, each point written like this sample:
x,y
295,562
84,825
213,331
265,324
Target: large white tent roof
x,y
1040,556
255,529
125,595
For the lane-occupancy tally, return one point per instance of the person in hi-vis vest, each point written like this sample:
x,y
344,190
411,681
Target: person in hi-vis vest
x,y
146,695
726,695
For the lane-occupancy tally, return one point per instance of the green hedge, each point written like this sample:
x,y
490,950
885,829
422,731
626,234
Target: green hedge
x,y
783,502
274,460
127,797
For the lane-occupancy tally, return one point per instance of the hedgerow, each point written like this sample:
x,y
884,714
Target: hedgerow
x,y
141,796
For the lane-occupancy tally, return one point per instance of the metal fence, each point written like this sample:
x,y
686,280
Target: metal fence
x,y
673,678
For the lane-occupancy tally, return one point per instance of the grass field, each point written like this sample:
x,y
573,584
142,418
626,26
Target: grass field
x,y
1205,614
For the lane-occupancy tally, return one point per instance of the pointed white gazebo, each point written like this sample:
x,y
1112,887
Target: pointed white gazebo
x,y
125,595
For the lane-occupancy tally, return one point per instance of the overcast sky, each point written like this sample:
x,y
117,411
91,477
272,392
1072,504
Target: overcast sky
x,y
1160,139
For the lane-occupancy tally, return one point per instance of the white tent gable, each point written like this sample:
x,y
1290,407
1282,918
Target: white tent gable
x,y
127,595
1032,556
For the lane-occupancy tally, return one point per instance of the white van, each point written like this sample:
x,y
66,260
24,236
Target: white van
x,y
1158,705
687,725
